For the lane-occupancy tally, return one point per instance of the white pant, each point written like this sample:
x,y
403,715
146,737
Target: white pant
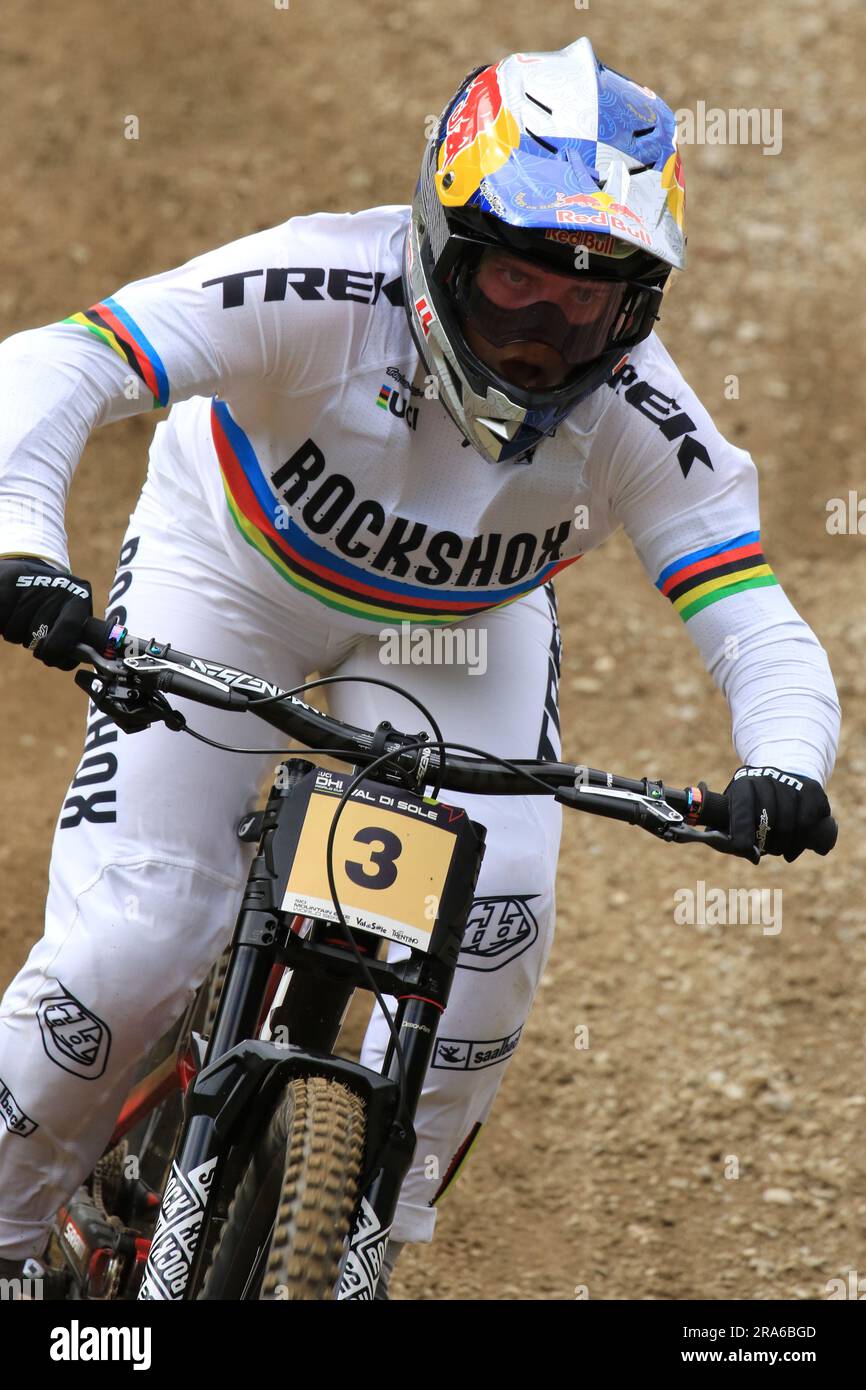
x,y
146,870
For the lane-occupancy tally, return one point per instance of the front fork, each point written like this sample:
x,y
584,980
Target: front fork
x,y
416,1022
242,1075
237,1089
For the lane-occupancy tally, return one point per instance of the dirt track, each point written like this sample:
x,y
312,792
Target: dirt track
x,y
602,1167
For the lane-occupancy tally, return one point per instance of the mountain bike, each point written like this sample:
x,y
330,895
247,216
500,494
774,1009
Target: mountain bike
x,y
250,1161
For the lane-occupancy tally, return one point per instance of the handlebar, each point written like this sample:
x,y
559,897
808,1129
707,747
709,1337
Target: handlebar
x,y
133,676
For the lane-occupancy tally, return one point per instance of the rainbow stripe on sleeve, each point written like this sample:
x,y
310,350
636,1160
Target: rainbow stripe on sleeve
x,y
114,326
704,576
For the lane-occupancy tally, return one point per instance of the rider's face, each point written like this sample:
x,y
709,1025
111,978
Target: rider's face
x,y
512,282
532,366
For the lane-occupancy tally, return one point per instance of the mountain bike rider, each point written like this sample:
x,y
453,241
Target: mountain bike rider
x,y
308,490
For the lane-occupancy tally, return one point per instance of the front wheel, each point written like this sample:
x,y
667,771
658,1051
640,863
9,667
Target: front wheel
x,y
287,1225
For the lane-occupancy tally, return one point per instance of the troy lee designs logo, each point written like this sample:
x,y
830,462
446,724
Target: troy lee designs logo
x,y
497,931
72,1036
403,381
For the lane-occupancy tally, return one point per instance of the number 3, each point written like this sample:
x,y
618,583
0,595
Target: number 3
x,y
386,869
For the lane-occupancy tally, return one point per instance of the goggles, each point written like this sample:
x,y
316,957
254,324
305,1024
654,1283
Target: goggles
x,y
509,300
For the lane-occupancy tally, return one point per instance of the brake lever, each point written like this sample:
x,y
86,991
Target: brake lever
x,y
651,812
126,704
716,839
107,666
647,809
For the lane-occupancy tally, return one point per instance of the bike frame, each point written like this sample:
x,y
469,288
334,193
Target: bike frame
x,y
229,1100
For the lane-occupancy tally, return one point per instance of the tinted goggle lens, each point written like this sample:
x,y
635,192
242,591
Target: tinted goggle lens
x,y
598,314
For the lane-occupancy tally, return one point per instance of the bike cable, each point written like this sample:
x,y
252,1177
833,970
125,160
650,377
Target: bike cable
x,y
439,743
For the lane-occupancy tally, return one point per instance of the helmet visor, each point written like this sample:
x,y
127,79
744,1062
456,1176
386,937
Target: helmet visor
x,y
510,299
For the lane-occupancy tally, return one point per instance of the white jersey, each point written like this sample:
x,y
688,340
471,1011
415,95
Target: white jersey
x,y
334,476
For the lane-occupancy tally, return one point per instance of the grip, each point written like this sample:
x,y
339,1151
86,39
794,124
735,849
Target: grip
x,y
95,633
715,814
715,811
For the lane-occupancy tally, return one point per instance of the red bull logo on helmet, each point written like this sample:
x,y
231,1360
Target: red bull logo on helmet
x,y
602,202
480,135
615,216
593,241
594,210
476,111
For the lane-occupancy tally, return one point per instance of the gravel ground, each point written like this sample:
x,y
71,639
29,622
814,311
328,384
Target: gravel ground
x,y
708,1142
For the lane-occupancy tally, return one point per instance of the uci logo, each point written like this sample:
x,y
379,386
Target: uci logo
x,y
389,398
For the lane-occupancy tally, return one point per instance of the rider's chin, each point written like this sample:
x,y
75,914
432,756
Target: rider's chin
x,y
530,376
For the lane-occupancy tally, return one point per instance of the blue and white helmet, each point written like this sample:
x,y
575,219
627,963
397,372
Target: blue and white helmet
x,y
563,161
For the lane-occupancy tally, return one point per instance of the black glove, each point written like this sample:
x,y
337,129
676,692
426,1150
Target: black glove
x,y
43,609
774,810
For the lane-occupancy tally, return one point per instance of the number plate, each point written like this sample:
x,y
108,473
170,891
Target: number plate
x,y
392,854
